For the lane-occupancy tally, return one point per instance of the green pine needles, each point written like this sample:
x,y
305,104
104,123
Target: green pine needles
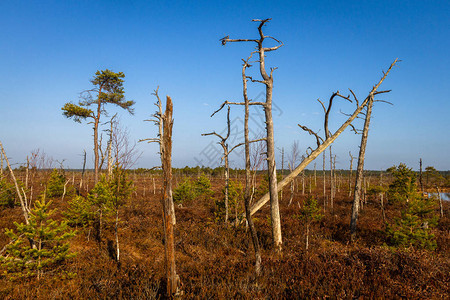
x,y
413,227
189,190
37,248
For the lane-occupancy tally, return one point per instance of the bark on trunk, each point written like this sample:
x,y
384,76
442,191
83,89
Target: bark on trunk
x,y
359,172
167,201
248,179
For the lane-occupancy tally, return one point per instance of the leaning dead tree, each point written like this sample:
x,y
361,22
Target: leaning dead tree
x,y
323,144
360,167
267,81
164,121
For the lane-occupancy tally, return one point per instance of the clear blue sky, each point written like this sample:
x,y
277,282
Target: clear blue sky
x,y
49,50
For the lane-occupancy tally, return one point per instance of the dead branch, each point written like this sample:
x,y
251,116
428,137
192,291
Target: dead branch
x,y
263,200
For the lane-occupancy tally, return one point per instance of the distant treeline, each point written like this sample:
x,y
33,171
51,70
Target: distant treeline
x,y
189,171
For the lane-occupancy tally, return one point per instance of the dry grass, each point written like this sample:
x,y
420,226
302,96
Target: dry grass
x,y
215,261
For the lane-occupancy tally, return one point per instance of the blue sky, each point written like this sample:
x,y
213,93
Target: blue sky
x,y
49,50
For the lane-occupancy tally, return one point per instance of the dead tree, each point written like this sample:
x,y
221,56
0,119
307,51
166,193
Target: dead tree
x,y
267,81
322,145
23,202
360,167
293,159
168,207
158,121
248,193
84,169
110,141
350,176
1,164
226,152
324,175
164,121
420,176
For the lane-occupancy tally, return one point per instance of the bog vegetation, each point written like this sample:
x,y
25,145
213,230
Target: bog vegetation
x,y
198,232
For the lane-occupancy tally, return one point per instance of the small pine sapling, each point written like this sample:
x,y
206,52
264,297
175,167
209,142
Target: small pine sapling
x,y
412,229
38,247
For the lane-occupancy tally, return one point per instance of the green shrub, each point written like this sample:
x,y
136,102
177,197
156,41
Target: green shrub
x,y
413,228
80,212
189,190
403,188
263,187
310,212
235,194
38,247
7,194
102,202
55,184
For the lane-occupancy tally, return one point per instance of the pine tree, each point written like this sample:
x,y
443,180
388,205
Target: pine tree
x,y
417,215
108,89
38,247
55,185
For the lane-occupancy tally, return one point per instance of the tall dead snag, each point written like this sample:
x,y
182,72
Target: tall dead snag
x,y
267,80
248,194
224,144
164,121
167,201
248,184
350,175
360,167
158,121
360,170
322,145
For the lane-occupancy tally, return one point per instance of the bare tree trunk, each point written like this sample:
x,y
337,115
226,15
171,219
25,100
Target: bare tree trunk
x,y
324,183
282,172
303,183
382,208
331,181
359,171
267,80
110,163
226,153
441,206
1,164
420,177
84,169
23,203
315,175
26,173
167,201
350,176
227,185
248,178
96,148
